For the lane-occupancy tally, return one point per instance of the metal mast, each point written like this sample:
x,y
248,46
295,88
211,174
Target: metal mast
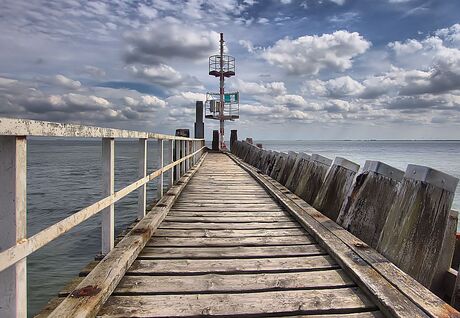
x,y
220,105
222,83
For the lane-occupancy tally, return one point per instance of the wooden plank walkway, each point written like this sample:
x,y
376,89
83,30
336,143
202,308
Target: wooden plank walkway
x,y
227,248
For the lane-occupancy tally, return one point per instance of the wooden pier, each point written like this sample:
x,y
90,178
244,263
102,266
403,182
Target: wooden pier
x,y
227,248
236,244
226,242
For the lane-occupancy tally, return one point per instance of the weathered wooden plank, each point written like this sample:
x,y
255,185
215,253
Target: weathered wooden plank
x,y
215,283
230,252
229,226
229,196
231,266
235,205
389,299
223,193
237,214
297,302
368,314
229,233
230,241
229,219
228,209
108,273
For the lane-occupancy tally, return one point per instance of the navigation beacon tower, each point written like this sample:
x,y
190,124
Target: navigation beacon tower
x,y
222,106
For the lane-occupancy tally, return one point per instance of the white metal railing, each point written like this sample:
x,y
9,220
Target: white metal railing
x,y
15,246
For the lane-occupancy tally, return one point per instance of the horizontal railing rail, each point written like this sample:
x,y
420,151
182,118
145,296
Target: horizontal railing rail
x,y
15,246
26,127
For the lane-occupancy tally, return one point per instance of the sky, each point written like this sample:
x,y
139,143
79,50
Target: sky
x,y
305,69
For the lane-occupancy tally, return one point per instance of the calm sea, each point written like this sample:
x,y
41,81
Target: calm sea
x,y
64,176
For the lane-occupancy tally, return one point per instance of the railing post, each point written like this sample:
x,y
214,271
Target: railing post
x,y
194,149
142,191
187,152
178,156
171,172
108,177
183,153
13,222
161,177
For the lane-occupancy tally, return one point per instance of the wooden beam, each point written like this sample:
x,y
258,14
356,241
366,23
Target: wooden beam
x,y
25,127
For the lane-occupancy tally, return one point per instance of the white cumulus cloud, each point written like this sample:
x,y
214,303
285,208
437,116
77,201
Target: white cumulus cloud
x,y
310,54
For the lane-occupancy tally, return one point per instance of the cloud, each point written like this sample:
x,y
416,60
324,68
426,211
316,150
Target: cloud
x,y
309,55
165,40
147,11
66,82
164,75
441,52
273,88
336,87
25,100
94,71
7,81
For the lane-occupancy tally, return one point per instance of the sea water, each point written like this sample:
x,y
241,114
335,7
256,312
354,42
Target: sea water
x,y
64,176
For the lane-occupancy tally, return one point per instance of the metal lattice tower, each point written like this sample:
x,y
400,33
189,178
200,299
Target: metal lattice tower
x,y
222,106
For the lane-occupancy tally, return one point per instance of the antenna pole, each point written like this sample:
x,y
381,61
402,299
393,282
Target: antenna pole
x,y
221,108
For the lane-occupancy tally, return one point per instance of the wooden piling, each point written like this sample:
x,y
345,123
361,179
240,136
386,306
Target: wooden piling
x,y
413,234
271,163
282,156
311,177
294,176
365,210
336,187
287,167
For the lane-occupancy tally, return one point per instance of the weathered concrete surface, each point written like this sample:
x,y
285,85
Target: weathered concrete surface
x,y
413,234
336,187
294,176
311,177
365,210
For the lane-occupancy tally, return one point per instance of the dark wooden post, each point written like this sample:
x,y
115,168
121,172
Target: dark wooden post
x,y
199,124
413,234
215,140
336,187
233,138
366,208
